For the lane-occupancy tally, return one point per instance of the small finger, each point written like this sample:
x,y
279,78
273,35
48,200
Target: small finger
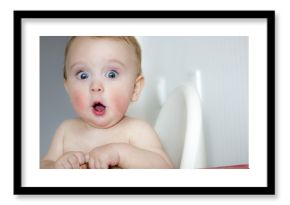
x,y
74,162
91,163
66,165
80,157
97,164
87,157
103,165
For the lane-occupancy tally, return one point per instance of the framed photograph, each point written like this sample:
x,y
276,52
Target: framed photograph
x,y
208,94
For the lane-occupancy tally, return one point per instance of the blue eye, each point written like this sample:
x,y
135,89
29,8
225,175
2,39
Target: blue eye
x,y
82,75
111,74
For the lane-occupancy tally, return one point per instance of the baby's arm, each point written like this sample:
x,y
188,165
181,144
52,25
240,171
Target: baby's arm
x,y
143,151
56,159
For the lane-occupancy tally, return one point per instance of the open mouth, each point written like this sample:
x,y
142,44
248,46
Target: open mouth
x,y
99,108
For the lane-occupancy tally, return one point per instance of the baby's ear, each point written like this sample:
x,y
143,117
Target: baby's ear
x,y
139,83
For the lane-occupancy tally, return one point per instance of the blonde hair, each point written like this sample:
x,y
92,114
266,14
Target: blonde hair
x,y
131,40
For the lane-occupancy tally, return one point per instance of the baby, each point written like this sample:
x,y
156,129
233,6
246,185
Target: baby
x,y
102,75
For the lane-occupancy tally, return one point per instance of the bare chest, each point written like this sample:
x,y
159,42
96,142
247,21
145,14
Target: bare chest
x,y
85,141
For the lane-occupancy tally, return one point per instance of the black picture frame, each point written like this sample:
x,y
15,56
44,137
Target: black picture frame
x,y
19,189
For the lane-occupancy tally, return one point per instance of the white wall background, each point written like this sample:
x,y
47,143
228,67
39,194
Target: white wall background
x,y
282,99
223,66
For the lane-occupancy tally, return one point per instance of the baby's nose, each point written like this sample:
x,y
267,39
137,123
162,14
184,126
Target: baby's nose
x,y
97,87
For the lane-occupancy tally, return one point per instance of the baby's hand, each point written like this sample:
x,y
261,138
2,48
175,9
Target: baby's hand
x,y
103,157
70,160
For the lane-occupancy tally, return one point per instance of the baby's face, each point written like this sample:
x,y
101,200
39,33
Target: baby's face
x,y
101,77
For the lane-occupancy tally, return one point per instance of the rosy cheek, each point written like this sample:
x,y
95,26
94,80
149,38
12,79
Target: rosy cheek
x,y
78,101
120,103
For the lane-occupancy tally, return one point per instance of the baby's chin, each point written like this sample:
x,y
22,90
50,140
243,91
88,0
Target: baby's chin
x,y
103,125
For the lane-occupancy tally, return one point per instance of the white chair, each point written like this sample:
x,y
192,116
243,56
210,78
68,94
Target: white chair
x,y
179,126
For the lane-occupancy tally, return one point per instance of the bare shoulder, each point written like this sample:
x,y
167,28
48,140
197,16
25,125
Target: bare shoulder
x,y
71,125
142,133
139,126
131,121
64,127
57,142
70,122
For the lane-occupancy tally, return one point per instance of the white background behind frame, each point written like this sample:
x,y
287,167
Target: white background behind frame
x,y
254,28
